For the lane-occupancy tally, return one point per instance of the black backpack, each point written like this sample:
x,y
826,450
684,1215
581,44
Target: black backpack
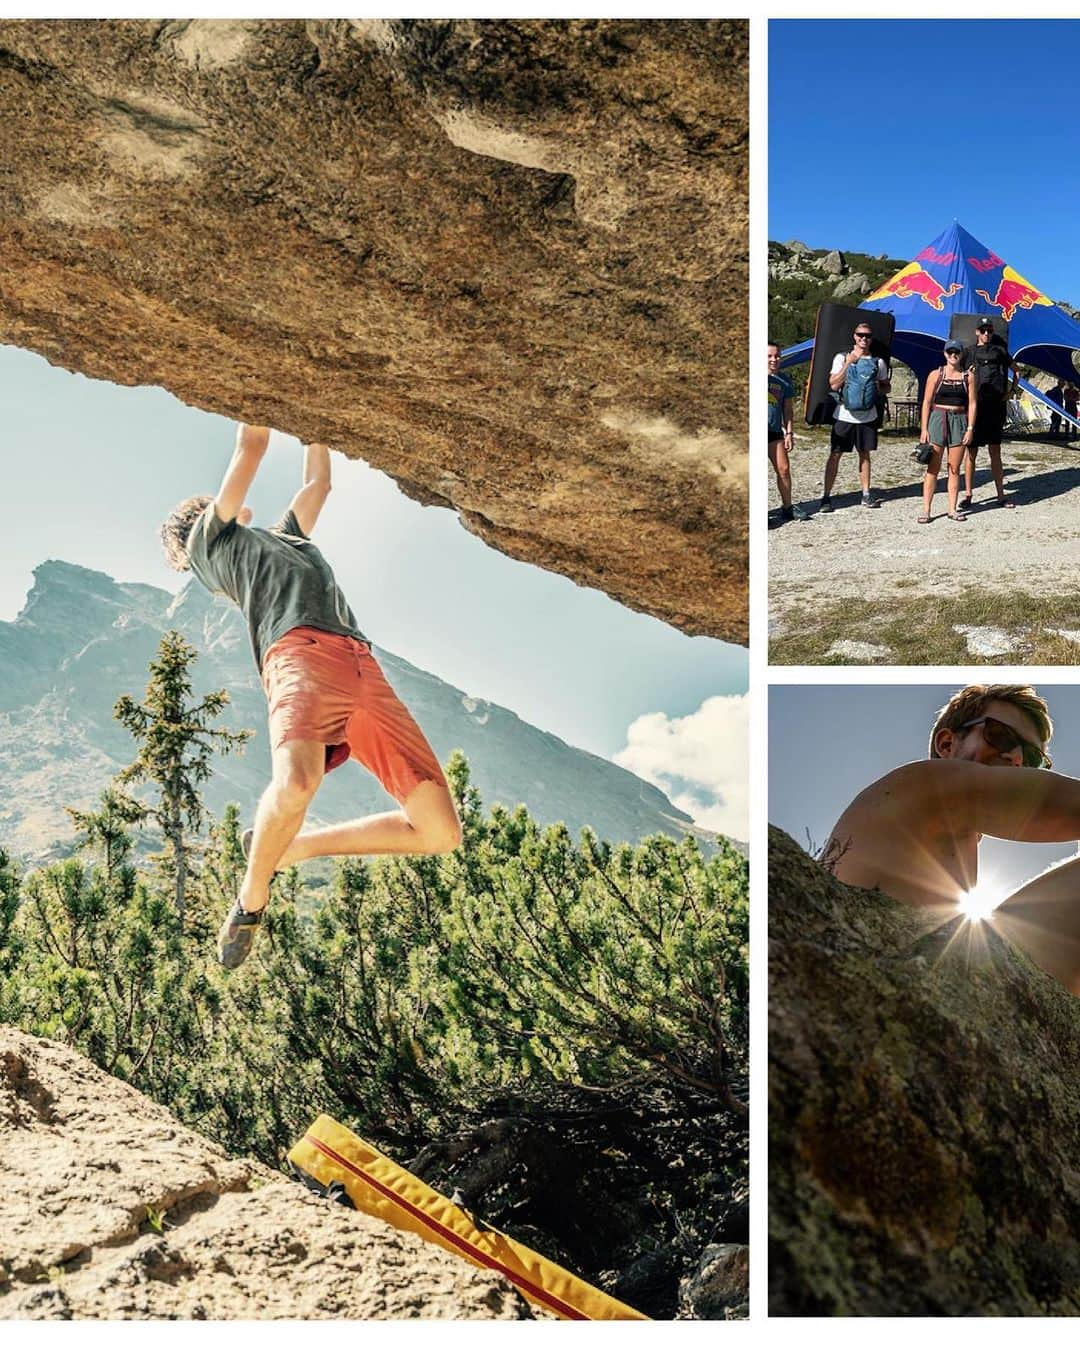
x,y
989,363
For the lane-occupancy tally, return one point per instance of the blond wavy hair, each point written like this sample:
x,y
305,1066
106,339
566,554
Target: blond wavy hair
x,y
970,703
175,531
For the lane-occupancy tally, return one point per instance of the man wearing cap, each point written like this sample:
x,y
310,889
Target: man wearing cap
x,y
990,362
855,427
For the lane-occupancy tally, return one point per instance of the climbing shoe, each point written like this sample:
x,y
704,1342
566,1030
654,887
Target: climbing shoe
x,y
237,935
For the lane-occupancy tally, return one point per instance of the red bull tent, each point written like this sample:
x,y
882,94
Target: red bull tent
x,y
958,275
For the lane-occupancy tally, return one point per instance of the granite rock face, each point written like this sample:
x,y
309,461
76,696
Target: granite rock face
x,y
503,261
112,1209
924,1111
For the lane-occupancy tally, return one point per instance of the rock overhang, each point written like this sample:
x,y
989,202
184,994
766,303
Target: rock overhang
x,y
503,261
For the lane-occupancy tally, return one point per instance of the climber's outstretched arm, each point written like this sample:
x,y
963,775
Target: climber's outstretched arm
x,y
1037,806
251,443
311,498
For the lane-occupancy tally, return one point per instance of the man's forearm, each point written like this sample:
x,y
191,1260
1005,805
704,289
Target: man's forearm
x,y
1033,805
316,464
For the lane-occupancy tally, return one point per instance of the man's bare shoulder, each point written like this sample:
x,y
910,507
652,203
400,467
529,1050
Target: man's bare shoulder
x,y
919,788
900,782
921,775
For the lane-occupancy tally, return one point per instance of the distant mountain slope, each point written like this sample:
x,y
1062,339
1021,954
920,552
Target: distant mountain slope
x,y
82,639
801,279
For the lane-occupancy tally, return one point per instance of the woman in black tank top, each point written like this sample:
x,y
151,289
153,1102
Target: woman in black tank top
x,y
948,413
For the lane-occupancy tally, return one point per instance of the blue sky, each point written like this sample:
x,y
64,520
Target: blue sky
x,y
91,469
873,102
828,742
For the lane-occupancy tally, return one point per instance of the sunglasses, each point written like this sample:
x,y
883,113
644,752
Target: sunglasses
x,y
953,353
867,336
1005,740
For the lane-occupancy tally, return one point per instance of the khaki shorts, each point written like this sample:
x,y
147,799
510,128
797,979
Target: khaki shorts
x,y
327,687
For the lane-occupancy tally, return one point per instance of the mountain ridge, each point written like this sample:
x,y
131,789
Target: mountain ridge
x,y
82,639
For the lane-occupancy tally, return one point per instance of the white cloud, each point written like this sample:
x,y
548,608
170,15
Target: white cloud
x,y
700,761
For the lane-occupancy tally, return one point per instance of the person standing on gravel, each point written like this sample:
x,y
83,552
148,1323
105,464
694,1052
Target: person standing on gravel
x,y
1055,395
1071,402
781,433
328,699
989,363
947,414
861,380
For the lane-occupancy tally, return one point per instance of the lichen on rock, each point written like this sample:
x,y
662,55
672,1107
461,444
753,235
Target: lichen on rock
x,y
924,1111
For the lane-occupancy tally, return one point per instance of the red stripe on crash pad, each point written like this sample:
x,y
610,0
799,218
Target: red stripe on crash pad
x,y
541,1295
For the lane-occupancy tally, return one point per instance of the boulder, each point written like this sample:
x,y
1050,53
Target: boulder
x,y
112,1209
857,283
831,263
720,1286
503,261
924,1111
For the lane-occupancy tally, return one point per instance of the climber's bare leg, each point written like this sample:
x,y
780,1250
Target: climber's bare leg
x,y
427,822
298,768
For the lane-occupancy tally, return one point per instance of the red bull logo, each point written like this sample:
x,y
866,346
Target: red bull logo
x,y
912,280
1014,293
928,255
988,264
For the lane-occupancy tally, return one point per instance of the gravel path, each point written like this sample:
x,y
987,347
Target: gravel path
x,y
855,552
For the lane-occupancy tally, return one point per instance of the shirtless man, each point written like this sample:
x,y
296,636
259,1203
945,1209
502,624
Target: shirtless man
x,y
328,699
914,834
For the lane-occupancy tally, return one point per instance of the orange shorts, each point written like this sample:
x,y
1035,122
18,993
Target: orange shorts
x,y
327,687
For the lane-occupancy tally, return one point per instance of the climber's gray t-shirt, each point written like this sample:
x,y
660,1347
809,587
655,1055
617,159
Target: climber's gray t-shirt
x,y
277,576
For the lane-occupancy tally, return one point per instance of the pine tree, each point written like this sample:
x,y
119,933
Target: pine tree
x,y
177,743
10,944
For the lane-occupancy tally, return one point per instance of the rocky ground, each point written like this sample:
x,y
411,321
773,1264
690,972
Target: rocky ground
x,y
111,1209
876,588
924,1111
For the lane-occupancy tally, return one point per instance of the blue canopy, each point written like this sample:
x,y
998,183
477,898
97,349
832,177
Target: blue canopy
x,y
958,275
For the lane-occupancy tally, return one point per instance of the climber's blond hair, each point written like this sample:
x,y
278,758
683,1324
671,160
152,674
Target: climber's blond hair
x,y
970,703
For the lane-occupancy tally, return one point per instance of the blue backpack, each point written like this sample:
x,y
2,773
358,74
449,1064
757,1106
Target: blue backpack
x,y
861,385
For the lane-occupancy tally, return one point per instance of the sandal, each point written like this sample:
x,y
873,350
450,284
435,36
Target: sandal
x,y
1004,501
923,520
958,515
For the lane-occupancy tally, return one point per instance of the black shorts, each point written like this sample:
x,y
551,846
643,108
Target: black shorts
x,y
989,421
853,436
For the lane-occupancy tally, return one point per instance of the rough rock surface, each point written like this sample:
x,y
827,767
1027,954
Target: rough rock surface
x,y
857,283
924,1112
92,1170
503,261
720,1286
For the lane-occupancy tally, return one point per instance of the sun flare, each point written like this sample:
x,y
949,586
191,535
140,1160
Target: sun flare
x,y
981,901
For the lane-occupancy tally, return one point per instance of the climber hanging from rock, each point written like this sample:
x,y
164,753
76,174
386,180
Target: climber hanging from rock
x,y
328,699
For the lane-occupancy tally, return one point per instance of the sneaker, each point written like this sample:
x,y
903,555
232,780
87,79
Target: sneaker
x,y
825,507
793,513
868,499
237,935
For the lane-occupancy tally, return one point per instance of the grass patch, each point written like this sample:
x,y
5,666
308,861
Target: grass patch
x,y
919,630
